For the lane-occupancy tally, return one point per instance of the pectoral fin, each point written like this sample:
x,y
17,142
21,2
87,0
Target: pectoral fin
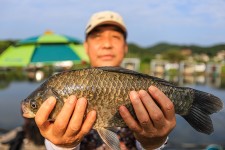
x,y
51,92
59,103
110,138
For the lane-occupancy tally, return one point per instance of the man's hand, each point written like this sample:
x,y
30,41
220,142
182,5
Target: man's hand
x,y
69,128
156,117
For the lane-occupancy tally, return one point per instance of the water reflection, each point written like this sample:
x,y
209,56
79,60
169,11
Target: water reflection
x,y
20,75
8,76
207,80
184,135
38,75
18,84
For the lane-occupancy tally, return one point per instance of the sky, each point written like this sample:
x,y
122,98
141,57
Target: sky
x,y
149,22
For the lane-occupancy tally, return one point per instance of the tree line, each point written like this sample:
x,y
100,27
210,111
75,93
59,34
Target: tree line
x,y
147,53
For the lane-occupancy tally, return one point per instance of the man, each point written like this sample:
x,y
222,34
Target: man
x,y
106,45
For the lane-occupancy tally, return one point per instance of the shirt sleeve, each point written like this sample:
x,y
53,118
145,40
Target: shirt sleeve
x,y
50,146
139,147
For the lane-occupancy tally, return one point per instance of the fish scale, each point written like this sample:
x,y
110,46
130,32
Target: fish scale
x,y
107,88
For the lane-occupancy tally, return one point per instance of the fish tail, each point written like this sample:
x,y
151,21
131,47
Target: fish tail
x,y
203,105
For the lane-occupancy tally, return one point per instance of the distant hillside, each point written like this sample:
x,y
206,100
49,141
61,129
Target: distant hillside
x,y
163,47
138,51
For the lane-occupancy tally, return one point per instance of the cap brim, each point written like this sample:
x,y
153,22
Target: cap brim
x,y
107,23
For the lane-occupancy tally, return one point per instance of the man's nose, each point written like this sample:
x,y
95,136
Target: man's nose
x,y
107,43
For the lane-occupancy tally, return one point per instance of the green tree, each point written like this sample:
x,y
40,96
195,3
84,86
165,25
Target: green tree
x,y
173,55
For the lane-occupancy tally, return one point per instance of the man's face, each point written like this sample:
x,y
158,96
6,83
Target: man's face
x,y
105,47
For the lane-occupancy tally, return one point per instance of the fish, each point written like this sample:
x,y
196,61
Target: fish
x,y
107,88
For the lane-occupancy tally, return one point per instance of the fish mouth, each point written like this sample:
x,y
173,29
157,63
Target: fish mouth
x,y
26,111
28,115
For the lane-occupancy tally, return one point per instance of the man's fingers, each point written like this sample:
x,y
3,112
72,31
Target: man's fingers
x,y
164,102
88,123
64,116
129,120
153,111
78,115
44,112
140,110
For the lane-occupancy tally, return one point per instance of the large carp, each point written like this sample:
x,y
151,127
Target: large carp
x,y
107,88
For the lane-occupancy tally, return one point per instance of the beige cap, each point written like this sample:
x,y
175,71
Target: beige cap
x,y
105,17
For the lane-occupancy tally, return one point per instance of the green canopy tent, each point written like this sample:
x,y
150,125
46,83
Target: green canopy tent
x,y
48,48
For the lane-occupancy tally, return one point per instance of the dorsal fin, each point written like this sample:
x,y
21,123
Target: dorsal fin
x,y
127,71
119,70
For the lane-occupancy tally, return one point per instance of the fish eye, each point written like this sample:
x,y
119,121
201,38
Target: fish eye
x,y
33,105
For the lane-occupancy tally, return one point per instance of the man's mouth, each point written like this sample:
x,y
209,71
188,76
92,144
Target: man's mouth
x,y
106,57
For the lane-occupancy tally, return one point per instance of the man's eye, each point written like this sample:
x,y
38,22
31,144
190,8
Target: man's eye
x,y
117,37
96,35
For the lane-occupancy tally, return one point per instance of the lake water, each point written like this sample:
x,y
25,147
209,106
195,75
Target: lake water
x,y
182,135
